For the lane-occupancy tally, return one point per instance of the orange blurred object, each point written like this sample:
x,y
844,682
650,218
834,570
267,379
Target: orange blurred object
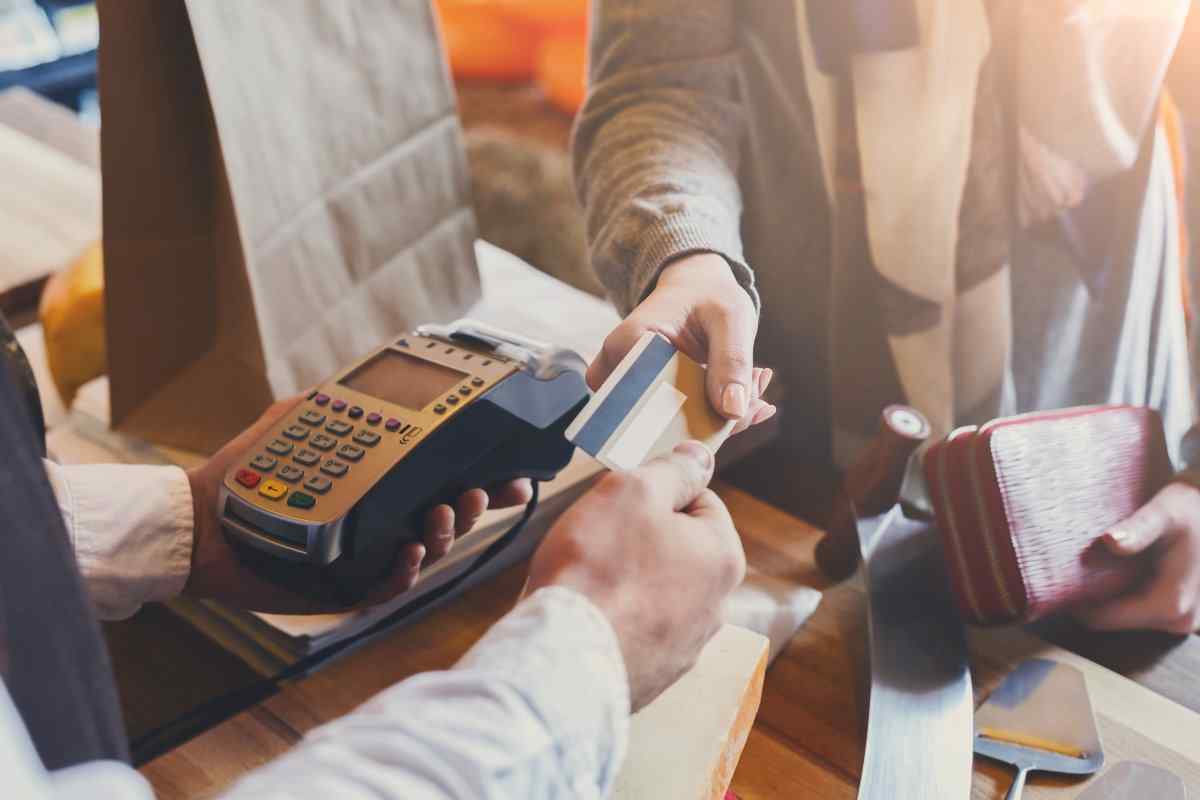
x,y
551,16
562,70
483,42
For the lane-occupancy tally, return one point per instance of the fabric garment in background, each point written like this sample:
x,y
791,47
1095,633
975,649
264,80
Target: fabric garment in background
x,y
52,657
701,134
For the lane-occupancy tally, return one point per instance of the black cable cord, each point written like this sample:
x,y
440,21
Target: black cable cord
x,y
159,740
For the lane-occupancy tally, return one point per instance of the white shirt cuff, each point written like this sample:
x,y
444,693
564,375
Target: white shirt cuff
x,y
561,653
131,527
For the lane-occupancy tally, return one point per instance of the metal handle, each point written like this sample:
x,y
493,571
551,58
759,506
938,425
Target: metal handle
x,y
1018,787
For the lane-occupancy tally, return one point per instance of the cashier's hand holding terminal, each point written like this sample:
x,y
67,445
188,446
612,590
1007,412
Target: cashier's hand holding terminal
x,y
699,306
218,572
656,551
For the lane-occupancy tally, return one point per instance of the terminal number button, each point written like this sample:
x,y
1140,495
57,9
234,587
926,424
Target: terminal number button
x,y
339,428
350,452
279,447
297,432
312,418
307,457
318,484
335,468
248,478
263,463
290,474
323,442
272,489
367,437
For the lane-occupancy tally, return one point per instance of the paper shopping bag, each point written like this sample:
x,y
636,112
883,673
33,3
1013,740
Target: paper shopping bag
x,y
284,188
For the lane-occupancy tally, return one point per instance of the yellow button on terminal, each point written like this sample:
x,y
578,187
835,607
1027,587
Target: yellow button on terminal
x,y
272,489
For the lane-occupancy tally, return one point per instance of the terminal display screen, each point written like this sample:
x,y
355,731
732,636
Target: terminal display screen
x,y
405,380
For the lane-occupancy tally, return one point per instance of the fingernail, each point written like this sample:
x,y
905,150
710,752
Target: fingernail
x,y
765,380
733,400
696,450
416,556
1118,535
764,414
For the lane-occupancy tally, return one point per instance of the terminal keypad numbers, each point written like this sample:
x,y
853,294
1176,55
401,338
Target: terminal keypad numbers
x,y
311,428
303,458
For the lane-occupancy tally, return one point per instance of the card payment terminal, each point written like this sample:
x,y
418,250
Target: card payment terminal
x,y
340,482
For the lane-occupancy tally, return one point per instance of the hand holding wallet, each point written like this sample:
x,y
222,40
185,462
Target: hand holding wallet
x,y
1022,502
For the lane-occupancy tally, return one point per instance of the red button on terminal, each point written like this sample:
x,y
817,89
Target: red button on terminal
x,y
338,405
248,478
321,399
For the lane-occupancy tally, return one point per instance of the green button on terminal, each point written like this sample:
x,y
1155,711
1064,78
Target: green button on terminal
x,y
302,500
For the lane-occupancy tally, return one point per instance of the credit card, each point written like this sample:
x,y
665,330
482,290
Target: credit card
x,y
652,401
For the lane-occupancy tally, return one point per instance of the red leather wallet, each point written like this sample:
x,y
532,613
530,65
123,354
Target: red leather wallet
x,y
1021,503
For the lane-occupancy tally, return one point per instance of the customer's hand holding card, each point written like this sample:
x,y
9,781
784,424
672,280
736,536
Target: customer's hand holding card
x,y
652,401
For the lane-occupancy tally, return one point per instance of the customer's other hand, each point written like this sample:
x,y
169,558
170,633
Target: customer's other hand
x,y
657,553
218,573
699,306
1167,531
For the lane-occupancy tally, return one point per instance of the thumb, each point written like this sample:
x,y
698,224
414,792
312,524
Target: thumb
x,y
729,330
681,475
1139,531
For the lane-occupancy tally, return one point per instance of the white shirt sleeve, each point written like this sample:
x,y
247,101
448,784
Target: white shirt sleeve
x,y
538,709
131,527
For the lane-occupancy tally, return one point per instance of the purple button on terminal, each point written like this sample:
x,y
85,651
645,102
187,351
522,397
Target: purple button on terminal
x,y
339,405
321,399
393,424
374,418
355,412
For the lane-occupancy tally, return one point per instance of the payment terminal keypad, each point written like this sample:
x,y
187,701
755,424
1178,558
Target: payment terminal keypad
x,y
290,474
333,467
323,442
263,463
307,457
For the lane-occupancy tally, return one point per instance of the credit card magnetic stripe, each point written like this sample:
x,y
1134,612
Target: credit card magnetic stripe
x,y
623,389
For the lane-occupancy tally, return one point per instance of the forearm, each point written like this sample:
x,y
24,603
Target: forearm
x,y
131,527
656,146
538,708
